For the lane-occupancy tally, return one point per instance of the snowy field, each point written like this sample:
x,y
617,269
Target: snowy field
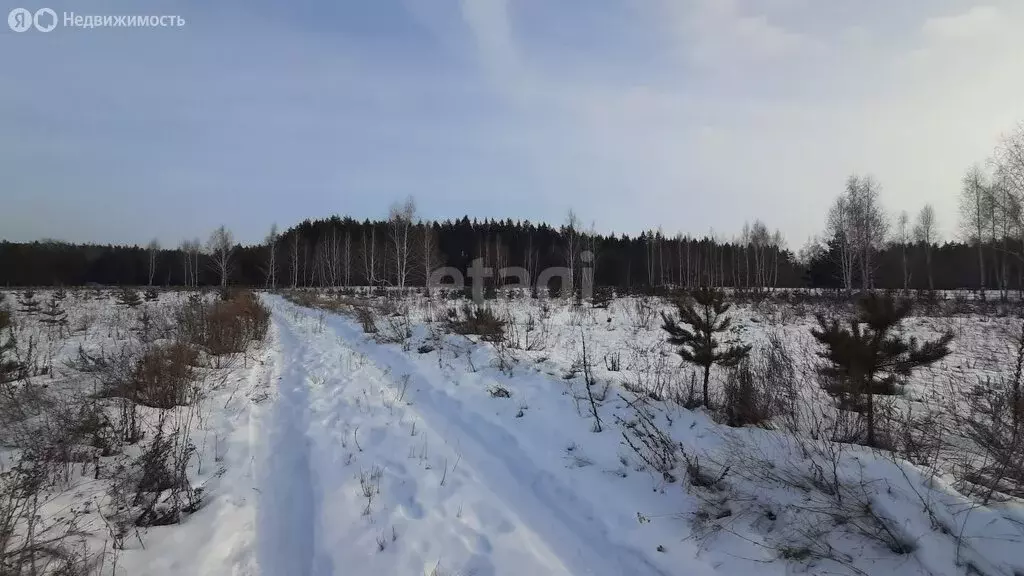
x,y
322,449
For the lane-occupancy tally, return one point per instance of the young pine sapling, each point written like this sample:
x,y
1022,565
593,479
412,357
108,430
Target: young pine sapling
x,y
702,319
10,368
867,356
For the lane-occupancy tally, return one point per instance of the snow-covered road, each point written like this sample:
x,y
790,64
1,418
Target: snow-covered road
x,y
372,466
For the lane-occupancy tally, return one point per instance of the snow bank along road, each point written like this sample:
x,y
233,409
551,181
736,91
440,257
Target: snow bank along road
x,y
374,460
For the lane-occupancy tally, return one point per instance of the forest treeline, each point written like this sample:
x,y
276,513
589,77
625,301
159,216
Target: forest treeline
x,y
344,252
862,246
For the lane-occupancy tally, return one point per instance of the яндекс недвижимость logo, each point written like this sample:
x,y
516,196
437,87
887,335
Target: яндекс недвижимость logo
x,y
21,19
46,19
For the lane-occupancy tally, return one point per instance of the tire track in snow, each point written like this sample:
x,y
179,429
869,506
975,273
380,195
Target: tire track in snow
x,y
328,392
288,494
543,504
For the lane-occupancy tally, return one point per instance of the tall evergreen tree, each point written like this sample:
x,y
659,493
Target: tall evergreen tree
x,y
702,318
866,357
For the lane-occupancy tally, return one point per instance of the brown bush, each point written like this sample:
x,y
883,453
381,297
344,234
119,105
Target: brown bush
x,y
479,320
163,376
224,326
366,318
760,388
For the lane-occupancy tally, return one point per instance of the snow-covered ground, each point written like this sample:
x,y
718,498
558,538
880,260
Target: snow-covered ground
x,y
331,451
80,508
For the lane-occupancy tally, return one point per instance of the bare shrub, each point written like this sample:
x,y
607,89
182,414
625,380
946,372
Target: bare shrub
x,y
994,423
505,359
688,399
367,318
369,486
640,312
761,387
613,361
602,298
701,476
775,368
811,489
164,376
303,298
530,335
479,320
156,375
30,544
225,326
499,391
742,402
394,324
595,393
649,373
153,489
652,445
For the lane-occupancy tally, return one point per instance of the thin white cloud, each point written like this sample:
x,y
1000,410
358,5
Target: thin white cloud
x,y
976,21
777,117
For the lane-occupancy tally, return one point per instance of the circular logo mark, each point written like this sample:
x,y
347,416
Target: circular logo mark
x,y
45,19
20,19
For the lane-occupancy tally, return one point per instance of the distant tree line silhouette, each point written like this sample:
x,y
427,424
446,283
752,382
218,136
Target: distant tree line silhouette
x,y
344,252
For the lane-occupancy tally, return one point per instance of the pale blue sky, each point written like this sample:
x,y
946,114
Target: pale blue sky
x,y
689,115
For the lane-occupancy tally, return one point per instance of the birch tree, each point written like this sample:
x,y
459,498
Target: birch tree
x,y
271,243
1008,189
1008,216
333,257
778,243
190,250
431,256
153,248
840,229
295,258
197,250
903,238
868,224
973,215
760,242
220,246
592,244
369,256
400,218
745,237
1009,161
186,257
924,233
348,257
570,231
530,258
651,253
